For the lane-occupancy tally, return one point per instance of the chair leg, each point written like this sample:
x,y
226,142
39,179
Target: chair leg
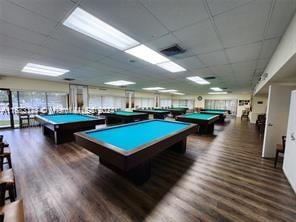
x,y
1,163
11,192
276,158
2,194
9,161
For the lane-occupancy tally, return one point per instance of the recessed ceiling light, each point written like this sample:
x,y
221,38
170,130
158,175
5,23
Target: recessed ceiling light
x,y
119,83
198,80
87,24
171,66
168,90
43,70
153,88
217,93
178,93
147,54
217,89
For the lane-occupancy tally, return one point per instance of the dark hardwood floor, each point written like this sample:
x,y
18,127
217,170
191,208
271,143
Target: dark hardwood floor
x,y
220,178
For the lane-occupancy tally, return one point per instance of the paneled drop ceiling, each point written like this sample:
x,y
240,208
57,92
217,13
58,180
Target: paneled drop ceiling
x,y
232,40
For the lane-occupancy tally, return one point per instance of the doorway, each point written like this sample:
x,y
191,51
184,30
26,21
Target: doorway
x,y
6,116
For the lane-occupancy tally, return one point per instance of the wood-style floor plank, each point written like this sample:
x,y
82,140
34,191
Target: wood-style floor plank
x,y
219,178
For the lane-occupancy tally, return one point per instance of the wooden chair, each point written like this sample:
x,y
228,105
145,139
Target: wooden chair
x,y
13,212
280,148
5,154
7,183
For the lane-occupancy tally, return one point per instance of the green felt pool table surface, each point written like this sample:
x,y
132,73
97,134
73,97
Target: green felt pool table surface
x,y
200,116
67,118
213,112
130,136
126,113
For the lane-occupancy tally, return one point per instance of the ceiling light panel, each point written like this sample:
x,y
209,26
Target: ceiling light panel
x,y
217,93
216,89
43,70
178,93
168,90
171,66
198,80
153,88
147,54
87,24
119,83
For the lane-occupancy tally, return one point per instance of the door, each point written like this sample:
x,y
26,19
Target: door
x,y
276,118
6,117
290,152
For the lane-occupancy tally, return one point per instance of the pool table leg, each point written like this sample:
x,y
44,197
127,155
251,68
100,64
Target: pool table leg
x,y
180,147
138,174
141,173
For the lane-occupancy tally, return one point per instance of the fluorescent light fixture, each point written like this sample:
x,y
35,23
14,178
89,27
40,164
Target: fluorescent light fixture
x,y
43,70
171,66
198,80
167,90
178,93
147,54
153,88
217,89
87,24
217,93
119,83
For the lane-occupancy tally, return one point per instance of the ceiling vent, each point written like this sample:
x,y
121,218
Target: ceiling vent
x,y
209,77
173,50
69,79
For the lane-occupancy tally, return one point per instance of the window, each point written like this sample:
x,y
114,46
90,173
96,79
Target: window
x,y
106,101
56,100
144,102
222,104
165,102
32,99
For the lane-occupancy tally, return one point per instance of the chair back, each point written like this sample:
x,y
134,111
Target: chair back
x,y
284,142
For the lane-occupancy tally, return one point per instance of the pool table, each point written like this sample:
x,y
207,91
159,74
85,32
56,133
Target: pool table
x,y
121,117
157,114
128,148
204,121
174,111
62,126
221,114
223,110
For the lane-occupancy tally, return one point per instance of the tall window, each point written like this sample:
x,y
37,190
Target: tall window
x,y
165,102
144,102
106,101
32,99
56,100
222,104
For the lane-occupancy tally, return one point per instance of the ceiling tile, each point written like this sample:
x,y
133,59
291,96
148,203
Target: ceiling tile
x,y
130,17
242,66
244,24
221,69
190,63
213,58
282,14
22,17
54,9
268,47
171,12
244,53
200,37
220,6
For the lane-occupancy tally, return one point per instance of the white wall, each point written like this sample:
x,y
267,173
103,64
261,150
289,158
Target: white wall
x,y
15,83
201,104
276,118
290,152
284,51
258,108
